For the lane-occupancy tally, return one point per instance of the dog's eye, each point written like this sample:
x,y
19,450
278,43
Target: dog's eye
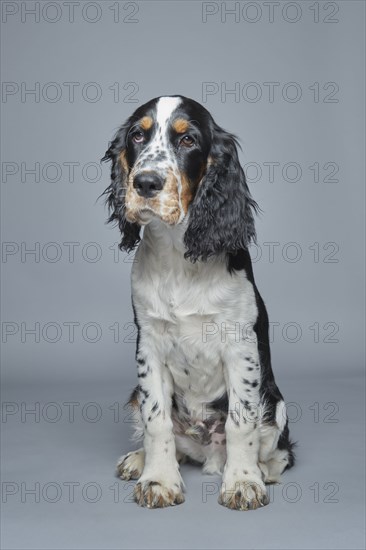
x,y
187,141
138,137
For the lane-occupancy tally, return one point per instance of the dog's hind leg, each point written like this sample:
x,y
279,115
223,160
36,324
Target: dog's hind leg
x,y
130,466
276,450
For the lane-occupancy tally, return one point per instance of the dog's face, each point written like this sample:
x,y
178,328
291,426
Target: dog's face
x,y
167,146
171,160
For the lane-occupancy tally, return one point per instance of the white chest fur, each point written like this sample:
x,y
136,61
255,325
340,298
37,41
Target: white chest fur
x,y
192,312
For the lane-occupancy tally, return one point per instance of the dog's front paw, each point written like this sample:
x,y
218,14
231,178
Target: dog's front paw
x,y
157,494
130,466
243,494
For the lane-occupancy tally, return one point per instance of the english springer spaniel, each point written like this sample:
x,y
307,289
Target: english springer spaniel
x,y
206,389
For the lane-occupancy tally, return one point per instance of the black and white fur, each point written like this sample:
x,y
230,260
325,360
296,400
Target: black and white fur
x,y
206,388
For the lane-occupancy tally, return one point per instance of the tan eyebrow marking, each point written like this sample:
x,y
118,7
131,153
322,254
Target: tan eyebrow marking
x,y
180,125
146,122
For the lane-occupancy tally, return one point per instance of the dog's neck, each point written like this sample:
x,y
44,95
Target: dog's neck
x,y
166,244
162,238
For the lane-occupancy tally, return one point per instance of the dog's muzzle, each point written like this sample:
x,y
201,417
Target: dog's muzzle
x,y
148,184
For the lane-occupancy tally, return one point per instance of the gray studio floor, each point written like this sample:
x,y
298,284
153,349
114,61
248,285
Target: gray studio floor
x,y
59,491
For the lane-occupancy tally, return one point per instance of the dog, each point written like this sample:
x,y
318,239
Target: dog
x,y
206,390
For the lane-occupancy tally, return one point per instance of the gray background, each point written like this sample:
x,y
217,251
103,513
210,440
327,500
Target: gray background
x,y
169,49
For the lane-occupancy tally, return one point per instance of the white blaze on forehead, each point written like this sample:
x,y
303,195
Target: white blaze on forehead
x,y
165,107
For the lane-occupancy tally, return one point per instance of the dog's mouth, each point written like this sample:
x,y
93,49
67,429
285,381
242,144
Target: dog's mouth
x,y
141,214
146,215
146,212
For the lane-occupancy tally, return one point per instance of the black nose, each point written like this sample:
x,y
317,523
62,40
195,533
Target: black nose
x,y
147,184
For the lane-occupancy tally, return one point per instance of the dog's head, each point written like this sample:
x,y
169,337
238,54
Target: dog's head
x,y
171,161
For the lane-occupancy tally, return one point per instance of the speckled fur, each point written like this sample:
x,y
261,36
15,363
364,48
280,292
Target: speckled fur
x,y
206,388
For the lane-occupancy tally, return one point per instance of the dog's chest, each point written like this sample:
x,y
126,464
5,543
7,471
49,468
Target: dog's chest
x,y
193,313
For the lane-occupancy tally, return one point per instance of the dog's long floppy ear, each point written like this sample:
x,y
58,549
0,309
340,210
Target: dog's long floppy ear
x,y
115,193
221,214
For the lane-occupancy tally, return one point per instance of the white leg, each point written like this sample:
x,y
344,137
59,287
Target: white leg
x,y
160,483
242,485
